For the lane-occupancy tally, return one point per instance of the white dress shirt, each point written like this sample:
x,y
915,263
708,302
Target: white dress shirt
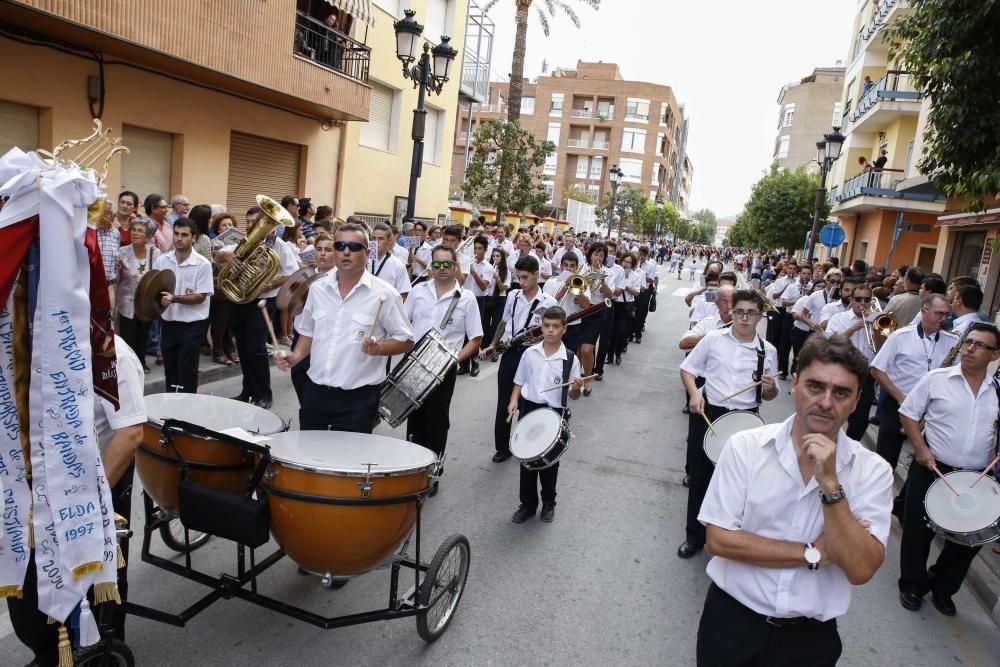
x,y
831,309
338,325
426,310
568,302
962,322
794,290
288,257
649,268
959,428
423,253
516,307
700,309
728,365
132,406
907,355
545,268
815,304
775,289
485,271
537,372
841,322
401,253
557,258
802,303
757,488
703,326
194,276
391,270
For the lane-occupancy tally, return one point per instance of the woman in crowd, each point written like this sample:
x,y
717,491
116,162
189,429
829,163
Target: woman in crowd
x,y
627,289
134,260
493,308
220,314
127,211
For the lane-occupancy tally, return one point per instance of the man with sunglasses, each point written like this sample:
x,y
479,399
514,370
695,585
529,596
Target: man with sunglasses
x,y
729,359
959,407
385,264
346,340
839,305
428,308
907,355
851,324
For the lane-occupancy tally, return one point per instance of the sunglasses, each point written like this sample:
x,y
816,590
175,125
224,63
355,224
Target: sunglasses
x,y
353,246
862,299
446,264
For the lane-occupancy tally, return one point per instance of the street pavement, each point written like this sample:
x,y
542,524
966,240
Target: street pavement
x,y
599,586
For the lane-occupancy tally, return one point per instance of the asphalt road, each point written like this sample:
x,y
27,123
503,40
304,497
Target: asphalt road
x,y
599,586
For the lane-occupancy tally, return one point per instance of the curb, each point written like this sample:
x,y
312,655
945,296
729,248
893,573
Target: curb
x,y
206,374
982,579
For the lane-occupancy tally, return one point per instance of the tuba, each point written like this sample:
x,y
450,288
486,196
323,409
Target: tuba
x,y
254,263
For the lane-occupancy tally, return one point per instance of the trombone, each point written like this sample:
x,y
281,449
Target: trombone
x,y
882,326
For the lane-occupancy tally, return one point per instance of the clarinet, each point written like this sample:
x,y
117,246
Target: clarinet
x,y
531,336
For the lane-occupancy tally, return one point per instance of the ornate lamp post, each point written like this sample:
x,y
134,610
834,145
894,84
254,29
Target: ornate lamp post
x,y
615,174
827,152
431,71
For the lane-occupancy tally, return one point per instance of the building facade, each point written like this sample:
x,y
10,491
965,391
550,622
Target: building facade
x,y
596,119
807,109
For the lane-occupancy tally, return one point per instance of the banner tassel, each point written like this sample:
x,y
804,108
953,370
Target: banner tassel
x,y
65,648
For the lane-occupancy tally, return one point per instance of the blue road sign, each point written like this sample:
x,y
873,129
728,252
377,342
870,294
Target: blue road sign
x,y
831,235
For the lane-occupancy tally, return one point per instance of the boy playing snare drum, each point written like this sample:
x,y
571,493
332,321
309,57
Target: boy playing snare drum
x,y
543,366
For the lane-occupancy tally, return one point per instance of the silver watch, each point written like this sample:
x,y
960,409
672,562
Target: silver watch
x,y
812,556
831,498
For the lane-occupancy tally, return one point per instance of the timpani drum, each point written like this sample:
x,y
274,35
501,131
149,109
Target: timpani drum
x,y
540,439
969,515
415,377
210,462
341,503
725,427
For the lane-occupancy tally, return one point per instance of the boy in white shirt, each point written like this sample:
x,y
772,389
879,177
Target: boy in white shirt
x,y
542,366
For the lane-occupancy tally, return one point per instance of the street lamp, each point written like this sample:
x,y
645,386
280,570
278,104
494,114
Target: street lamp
x,y
615,174
431,71
659,215
827,152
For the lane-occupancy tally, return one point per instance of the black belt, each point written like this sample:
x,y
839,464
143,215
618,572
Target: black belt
x,y
338,390
793,622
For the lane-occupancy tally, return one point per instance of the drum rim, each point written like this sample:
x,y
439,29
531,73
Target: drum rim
x,y
939,484
359,469
541,454
708,433
158,422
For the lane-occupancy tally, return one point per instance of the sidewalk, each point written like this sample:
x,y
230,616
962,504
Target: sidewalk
x,y
984,575
208,371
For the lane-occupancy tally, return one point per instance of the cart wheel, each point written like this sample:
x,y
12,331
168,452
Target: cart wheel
x,y
442,587
172,534
98,655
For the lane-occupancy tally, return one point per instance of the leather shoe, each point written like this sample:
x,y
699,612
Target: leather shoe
x,y
474,372
687,550
522,514
264,404
943,603
599,378
241,398
686,481
618,360
462,371
911,601
500,457
548,512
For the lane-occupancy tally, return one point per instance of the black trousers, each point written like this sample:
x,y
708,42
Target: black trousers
x,y
798,340
428,425
731,634
528,492
573,337
331,409
221,317
247,324
505,386
785,341
622,325
299,371
604,345
641,311
135,332
180,345
492,315
857,423
773,333
946,575
699,469
890,440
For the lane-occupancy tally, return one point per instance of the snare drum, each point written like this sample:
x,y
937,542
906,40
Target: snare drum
x,y
725,427
540,439
972,517
341,503
415,377
210,462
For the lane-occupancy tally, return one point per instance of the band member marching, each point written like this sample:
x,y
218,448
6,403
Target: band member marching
x,y
558,288
727,359
325,260
598,327
852,325
479,281
443,305
350,320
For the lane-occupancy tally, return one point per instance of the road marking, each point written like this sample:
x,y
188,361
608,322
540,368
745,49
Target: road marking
x,y
681,291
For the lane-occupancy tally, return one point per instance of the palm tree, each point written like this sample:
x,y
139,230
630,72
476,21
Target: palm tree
x,y
521,38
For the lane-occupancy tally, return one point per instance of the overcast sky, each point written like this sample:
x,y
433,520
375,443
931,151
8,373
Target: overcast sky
x,y
726,60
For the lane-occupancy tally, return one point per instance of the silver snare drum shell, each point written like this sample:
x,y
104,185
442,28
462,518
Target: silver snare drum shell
x,y
415,377
725,427
540,439
970,517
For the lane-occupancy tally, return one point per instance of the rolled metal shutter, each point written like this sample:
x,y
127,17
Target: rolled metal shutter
x,y
146,166
18,127
260,166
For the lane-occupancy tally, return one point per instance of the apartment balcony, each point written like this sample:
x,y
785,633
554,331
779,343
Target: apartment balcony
x,y
874,190
581,113
577,143
636,117
888,12
601,145
332,49
889,98
490,108
477,51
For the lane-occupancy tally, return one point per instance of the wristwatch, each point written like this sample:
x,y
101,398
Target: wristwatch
x,y
831,498
812,556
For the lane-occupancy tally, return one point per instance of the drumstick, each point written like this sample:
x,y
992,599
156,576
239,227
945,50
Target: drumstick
x,y
935,469
744,389
378,311
986,471
262,304
708,421
566,384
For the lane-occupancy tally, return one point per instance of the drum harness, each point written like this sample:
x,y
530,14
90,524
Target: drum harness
x,y
758,374
527,320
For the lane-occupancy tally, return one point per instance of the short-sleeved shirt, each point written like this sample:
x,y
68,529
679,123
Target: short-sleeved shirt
x,y
537,372
486,272
517,307
569,301
193,276
831,309
841,322
132,406
392,271
908,354
288,257
426,311
728,365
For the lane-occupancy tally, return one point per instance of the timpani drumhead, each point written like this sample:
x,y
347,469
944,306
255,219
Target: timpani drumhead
x,y
725,427
972,509
212,412
535,433
340,452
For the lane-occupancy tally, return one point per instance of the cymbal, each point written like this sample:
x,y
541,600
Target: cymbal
x,y
298,300
147,294
291,284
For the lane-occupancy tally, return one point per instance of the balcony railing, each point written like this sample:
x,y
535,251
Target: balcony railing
x,y
490,108
872,183
894,85
601,145
878,19
595,175
581,113
605,116
325,46
642,118
475,77
577,143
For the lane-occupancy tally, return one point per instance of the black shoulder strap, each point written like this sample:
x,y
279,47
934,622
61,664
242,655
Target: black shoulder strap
x,y
527,319
760,370
996,442
567,369
384,260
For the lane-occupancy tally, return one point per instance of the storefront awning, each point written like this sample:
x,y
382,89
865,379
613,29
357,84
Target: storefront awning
x,y
359,9
990,217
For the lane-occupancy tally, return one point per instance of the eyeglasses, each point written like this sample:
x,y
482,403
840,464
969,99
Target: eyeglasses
x,y
939,314
162,206
976,345
354,246
862,299
740,314
833,282
446,264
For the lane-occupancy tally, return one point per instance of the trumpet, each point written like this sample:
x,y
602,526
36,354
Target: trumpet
x,y
577,283
880,328
464,245
768,304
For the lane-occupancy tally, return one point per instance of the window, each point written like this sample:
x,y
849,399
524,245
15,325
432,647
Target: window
x,y
636,109
596,168
550,188
786,119
376,132
631,170
18,127
553,134
659,144
600,140
527,105
605,109
556,107
437,23
656,175
838,115
391,6
595,192
909,158
663,113
550,164
633,141
432,136
581,166
783,146
652,194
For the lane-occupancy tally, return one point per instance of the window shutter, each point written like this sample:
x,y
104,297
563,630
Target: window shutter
x,y
375,133
437,12
260,166
431,137
18,127
146,166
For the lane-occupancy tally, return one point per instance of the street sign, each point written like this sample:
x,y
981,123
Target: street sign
x,y
831,235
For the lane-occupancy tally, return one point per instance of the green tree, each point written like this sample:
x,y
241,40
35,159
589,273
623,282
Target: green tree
x,y
504,167
781,206
521,10
578,193
706,226
630,206
738,235
952,50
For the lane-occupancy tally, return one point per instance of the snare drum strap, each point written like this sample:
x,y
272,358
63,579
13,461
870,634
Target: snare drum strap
x,y
567,368
996,440
760,370
451,310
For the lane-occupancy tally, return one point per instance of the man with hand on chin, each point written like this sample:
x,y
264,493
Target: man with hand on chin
x,y
796,514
